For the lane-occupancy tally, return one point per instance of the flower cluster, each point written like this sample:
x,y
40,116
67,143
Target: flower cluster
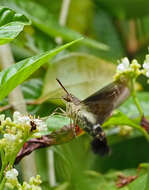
x,y
126,68
11,178
132,69
19,126
34,124
15,132
12,181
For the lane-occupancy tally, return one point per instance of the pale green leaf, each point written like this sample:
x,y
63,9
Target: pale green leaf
x,y
81,74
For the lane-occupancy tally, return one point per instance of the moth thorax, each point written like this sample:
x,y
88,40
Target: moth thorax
x,y
72,110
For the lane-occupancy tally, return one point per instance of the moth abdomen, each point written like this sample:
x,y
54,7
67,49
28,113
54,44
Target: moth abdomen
x,y
100,146
99,143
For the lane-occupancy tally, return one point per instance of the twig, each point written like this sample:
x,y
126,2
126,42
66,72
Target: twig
x,y
63,135
132,42
6,107
3,108
63,18
15,98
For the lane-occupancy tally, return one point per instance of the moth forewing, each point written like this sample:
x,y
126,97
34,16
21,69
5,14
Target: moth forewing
x,y
103,102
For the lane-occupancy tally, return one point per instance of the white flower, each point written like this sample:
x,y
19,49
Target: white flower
x,y
124,65
146,67
147,73
41,126
8,119
2,117
16,115
11,174
21,119
10,137
24,119
18,118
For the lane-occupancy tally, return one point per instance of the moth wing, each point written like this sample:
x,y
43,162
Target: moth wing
x,y
104,101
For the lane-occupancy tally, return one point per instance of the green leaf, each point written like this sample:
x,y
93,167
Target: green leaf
x,y
83,20
11,24
138,184
63,186
147,182
32,90
83,75
55,122
105,31
122,120
17,73
129,105
118,119
123,8
44,21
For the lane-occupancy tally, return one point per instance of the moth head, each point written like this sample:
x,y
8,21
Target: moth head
x,y
68,97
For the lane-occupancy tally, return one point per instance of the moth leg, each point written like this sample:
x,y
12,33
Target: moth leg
x,y
56,112
75,124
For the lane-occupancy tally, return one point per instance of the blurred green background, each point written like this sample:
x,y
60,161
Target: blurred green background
x,y
112,30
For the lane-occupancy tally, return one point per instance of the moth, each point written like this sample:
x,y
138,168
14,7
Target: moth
x,y
90,113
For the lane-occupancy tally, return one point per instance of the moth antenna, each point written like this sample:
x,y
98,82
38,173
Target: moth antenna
x,y
62,86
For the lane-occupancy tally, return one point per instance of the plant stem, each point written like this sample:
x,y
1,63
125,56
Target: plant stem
x,y
142,130
63,17
2,184
135,99
4,164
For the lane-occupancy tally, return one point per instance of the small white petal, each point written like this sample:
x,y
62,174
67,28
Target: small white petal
x,y
124,65
40,124
8,119
23,120
16,115
147,73
146,65
125,62
10,137
12,174
2,117
120,67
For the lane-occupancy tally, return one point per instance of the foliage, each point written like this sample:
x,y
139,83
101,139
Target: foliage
x,y
11,24
111,30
